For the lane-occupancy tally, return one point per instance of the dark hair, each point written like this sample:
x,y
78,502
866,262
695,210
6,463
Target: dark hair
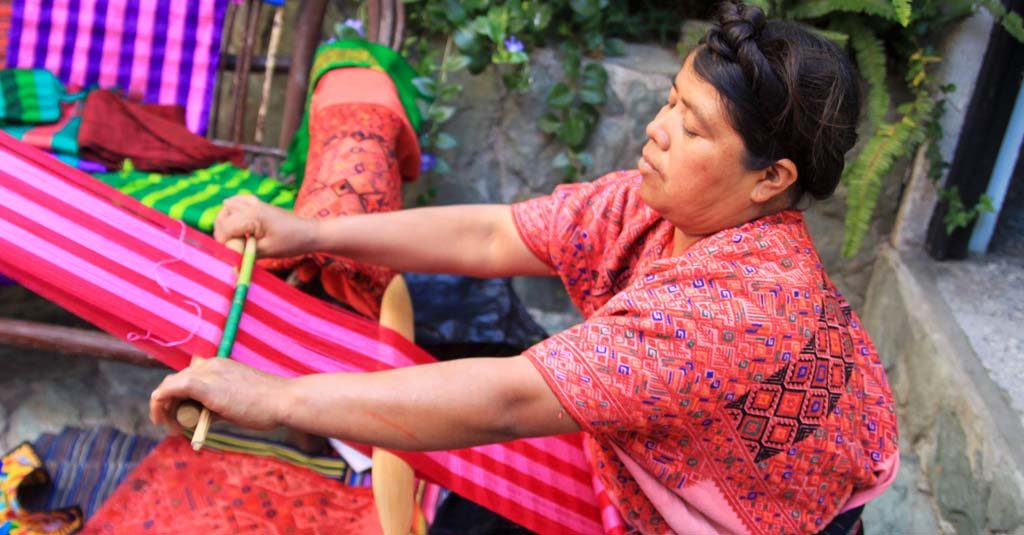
x,y
788,92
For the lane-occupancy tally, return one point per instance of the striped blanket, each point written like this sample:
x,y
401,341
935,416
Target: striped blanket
x,y
196,198
128,269
86,465
160,51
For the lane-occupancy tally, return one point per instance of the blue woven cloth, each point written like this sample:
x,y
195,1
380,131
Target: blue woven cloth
x,y
86,465
451,309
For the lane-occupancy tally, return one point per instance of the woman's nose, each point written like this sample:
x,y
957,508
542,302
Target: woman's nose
x,y
657,134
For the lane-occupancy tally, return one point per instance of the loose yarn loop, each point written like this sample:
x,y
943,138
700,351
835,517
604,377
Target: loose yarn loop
x,y
148,335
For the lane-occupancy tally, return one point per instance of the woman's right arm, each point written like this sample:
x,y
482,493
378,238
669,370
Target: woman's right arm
x,y
475,240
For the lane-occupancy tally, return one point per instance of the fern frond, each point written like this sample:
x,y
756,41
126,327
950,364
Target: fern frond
x,y
902,10
1010,20
812,9
869,52
839,38
864,176
1013,25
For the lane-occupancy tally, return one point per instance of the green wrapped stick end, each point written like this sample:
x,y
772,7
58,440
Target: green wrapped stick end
x,y
227,340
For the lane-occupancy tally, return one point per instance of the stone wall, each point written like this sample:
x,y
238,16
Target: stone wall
x,y
503,157
953,416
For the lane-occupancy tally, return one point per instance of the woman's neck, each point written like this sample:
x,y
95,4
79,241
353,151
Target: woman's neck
x,y
682,241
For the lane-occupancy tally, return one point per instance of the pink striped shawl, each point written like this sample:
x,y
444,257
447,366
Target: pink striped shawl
x,y
160,51
101,254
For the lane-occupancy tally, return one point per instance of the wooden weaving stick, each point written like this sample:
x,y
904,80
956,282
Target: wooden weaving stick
x,y
190,413
393,478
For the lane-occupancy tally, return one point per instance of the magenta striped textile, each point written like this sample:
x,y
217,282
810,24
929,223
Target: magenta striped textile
x,y
160,51
104,256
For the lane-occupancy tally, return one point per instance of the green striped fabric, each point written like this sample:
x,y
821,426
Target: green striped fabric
x,y
332,467
30,96
196,198
61,137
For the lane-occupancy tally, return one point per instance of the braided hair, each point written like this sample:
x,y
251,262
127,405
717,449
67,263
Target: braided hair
x,y
788,93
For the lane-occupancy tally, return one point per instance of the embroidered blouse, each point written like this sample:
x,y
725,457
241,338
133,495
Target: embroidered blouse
x,y
729,389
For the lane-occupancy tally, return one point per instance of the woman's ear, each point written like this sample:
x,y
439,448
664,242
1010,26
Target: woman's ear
x,y
774,181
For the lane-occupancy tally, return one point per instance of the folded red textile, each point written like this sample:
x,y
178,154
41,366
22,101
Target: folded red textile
x,y
153,137
176,490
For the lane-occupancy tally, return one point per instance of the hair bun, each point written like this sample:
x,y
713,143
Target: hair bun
x,y
737,30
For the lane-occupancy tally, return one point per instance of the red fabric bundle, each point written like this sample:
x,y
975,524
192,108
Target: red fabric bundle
x,y
153,137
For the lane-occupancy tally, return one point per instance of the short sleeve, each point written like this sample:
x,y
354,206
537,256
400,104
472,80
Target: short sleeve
x,y
599,373
591,234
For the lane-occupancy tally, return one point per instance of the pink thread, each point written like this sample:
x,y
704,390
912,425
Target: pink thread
x,y
135,337
148,336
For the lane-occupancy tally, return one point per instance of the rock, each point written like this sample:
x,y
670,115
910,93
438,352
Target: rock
x,y
46,409
904,508
1003,511
960,495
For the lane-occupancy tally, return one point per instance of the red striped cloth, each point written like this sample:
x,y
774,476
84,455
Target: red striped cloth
x,y
103,256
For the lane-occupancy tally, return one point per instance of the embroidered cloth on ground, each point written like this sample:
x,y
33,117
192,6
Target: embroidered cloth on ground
x,y
175,490
728,389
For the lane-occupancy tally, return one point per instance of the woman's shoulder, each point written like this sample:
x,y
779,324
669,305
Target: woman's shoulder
x,y
625,183
780,237
611,199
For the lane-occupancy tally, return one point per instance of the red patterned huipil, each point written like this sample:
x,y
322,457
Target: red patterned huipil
x,y
729,389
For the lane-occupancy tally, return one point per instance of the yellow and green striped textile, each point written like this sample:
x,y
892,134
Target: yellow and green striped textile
x,y
196,198
331,467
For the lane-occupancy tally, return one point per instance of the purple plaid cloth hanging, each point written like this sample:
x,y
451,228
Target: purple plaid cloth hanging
x,y
161,51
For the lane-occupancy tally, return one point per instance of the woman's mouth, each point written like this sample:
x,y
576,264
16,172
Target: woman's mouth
x,y
646,166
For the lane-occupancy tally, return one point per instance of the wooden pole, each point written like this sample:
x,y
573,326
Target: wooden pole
x,y
242,68
268,76
311,14
71,340
218,87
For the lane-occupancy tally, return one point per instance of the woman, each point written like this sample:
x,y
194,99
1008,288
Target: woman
x,y
723,384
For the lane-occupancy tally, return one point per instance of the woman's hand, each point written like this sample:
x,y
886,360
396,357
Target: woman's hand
x,y
278,232
231,390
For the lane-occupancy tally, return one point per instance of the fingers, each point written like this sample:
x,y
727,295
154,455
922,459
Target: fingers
x,y
186,384
240,216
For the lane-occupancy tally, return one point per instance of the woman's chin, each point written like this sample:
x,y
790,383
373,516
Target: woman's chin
x,y
648,191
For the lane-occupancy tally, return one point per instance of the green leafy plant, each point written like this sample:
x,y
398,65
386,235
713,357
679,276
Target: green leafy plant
x,y
958,215
500,35
910,31
889,39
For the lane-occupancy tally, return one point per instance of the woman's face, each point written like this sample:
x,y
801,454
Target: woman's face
x,y
692,163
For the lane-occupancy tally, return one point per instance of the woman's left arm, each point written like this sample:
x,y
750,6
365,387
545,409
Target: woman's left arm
x,y
435,406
